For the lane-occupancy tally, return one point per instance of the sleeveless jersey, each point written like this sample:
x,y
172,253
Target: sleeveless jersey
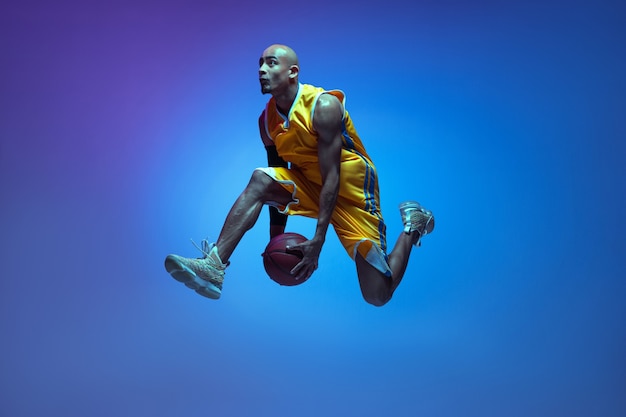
x,y
294,135
357,218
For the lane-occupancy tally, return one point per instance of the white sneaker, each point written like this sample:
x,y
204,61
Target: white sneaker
x,y
416,219
203,275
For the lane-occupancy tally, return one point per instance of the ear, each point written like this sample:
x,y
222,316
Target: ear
x,y
294,70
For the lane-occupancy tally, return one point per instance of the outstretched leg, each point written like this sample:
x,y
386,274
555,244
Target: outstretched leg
x,y
245,212
206,275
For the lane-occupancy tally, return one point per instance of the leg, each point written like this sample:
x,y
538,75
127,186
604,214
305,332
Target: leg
x,y
245,212
206,275
377,288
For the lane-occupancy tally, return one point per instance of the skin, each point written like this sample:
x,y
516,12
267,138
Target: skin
x,y
278,76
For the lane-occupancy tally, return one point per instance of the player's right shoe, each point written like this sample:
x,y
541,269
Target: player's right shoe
x,y
203,275
416,218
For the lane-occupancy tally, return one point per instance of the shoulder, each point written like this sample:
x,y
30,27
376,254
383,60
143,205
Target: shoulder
x,y
327,99
328,116
328,108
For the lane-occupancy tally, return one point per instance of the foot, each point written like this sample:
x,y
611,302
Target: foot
x,y
417,220
203,275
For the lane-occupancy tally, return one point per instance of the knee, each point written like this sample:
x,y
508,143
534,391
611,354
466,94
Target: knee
x,y
259,179
376,288
266,188
377,298
259,182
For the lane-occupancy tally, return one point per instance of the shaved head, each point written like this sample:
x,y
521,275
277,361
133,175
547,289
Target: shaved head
x,y
278,71
283,52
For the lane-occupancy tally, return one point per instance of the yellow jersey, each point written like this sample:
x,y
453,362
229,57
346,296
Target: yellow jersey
x,y
294,135
357,218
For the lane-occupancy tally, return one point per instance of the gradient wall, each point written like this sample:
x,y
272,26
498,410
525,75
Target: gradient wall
x,y
128,128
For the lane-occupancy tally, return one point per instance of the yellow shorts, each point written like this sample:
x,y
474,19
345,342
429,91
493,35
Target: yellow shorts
x,y
357,218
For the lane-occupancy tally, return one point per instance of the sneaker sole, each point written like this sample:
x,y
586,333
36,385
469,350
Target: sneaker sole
x,y
185,275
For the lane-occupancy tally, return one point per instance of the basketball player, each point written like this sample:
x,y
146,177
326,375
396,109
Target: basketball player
x,y
318,168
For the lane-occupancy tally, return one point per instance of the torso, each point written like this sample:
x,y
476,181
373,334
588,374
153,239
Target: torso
x,y
294,135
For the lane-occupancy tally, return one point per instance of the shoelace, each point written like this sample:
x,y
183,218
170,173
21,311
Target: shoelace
x,y
205,249
430,219
414,216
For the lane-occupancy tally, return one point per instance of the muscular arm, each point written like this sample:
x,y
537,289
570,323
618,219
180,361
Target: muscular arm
x,y
327,121
278,221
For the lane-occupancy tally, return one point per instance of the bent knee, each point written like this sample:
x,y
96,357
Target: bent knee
x,y
375,286
260,183
268,188
260,178
377,299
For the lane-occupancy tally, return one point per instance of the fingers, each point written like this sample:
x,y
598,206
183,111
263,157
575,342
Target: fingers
x,y
304,269
294,248
301,247
310,253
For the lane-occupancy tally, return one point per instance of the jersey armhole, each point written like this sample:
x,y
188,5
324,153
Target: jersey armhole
x,y
263,131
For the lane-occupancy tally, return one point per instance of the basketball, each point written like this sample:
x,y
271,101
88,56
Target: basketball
x,y
279,262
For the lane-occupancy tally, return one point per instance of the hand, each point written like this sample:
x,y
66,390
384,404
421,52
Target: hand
x,y
311,252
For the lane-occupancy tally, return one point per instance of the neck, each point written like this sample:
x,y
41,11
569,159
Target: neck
x,y
285,99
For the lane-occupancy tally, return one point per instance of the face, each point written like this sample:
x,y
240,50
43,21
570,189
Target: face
x,y
274,71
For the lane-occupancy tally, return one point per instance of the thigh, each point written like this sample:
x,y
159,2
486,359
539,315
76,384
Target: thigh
x,y
357,216
375,286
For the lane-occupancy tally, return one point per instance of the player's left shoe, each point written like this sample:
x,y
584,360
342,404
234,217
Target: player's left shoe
x,y
416,219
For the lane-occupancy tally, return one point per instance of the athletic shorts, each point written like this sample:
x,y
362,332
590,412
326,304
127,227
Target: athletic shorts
x,y
357,218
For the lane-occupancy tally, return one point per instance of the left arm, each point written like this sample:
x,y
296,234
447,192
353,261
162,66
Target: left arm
x,y
328,122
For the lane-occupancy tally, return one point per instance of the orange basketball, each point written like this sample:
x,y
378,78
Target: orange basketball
x,y
279,262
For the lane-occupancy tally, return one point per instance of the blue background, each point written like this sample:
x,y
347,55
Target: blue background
x,y
129,127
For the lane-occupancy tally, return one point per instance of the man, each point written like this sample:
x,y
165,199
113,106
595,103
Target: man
x,y
318,168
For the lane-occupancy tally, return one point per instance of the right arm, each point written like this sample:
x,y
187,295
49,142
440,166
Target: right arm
x,y
278,221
